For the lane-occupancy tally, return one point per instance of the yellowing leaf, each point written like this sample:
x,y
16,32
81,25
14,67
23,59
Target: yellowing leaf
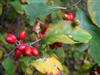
x,y
48,65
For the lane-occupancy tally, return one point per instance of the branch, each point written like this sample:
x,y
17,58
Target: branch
x,y
33,42
77,3
7,55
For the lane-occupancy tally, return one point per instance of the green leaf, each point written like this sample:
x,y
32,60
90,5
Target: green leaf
x,y
1,8
94,31
80,35
60,53
17,6
73,35
82,47
94,11
61,38
34,10
56,29
54,2
9,66
36,1
85,67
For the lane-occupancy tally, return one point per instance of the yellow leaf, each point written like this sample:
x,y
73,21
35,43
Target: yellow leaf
x,y
49,65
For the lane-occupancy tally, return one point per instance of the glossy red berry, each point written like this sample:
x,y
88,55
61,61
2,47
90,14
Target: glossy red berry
x,y
98,69
34,51
92,73
22,34
27,51
69,16
22,47
17,54
59,44
11,38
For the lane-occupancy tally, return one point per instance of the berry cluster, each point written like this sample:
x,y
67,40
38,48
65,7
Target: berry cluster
x,y
57,44
26,51
22,48
95,71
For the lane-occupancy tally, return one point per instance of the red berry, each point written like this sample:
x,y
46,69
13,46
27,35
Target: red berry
x,y
27,51
11,38
46,27
98,69
22,47
17,54
92,73
24,19
36,20
22,34
34,51
59,44
69,16
52,46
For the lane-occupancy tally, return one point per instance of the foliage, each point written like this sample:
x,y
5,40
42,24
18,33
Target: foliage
x,y
56,43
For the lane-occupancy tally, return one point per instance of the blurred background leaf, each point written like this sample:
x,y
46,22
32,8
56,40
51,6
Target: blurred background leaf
x,y
94,31
94,11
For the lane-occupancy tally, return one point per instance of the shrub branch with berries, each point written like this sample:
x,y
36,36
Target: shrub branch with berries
x,y
52,39
21,48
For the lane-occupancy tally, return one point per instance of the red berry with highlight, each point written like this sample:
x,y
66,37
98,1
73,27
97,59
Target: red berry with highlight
x,y
17,54
27,51
22,34
34,51
69,16
22,47
11,38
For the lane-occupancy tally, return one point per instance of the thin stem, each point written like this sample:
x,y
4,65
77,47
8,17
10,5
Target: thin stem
x,y
77,3
10,53
33,42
